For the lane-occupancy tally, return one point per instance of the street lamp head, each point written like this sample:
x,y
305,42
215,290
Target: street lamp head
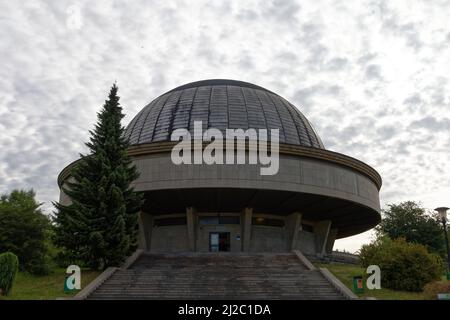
x,y
442,211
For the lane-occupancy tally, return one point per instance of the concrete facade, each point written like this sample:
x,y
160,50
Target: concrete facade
x,y
295,174
170,239
244,237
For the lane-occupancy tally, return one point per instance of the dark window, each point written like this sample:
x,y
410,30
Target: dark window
x,y
229,220
169,222
208,220
307,227
219,220
268,222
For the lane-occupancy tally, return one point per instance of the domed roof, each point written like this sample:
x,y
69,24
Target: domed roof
x,y
221,104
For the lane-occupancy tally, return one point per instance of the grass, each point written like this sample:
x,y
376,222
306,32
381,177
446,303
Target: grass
x,y
49,287
346,272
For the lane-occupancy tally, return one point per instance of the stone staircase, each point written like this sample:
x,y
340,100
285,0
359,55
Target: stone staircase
x,y
216,276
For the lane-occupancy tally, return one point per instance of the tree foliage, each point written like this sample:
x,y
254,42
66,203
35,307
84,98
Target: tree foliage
x,y
410,221
100,226
24,230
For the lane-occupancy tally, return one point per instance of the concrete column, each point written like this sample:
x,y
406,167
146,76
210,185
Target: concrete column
x,y
145,231
141,235
247,228
330,241
191,225
322,230
293,223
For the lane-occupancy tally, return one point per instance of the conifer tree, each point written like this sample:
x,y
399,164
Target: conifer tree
x,y
99,228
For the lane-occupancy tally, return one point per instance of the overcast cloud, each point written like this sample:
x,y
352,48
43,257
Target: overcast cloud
x,y
372,76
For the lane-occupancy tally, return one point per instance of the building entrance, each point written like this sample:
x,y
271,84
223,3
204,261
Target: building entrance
x,y
219,241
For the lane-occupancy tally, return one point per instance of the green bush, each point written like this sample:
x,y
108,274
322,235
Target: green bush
x,y
9,264
404,266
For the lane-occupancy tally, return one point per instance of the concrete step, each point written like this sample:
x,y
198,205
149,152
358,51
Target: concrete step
x,y
216,276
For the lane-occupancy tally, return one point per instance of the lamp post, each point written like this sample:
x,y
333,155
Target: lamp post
x,y
442,211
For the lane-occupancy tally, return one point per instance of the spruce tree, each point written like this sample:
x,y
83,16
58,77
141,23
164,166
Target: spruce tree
x,y
99,228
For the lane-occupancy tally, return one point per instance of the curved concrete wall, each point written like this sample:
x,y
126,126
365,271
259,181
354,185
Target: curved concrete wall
x,y
296,174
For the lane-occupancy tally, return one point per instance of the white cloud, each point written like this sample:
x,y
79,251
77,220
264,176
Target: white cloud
x,y
372,76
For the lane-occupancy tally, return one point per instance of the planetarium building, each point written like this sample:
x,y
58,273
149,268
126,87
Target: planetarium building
x,y
316,197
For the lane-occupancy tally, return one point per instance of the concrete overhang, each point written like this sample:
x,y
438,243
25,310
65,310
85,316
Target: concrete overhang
x,y
320,184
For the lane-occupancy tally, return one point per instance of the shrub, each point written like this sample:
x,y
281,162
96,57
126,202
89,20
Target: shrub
x,y
404,266
8,270
432,289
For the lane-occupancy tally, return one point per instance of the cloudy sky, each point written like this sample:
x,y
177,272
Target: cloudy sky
x,y
372,76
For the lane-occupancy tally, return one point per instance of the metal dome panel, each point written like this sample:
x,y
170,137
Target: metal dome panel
x,y
221,104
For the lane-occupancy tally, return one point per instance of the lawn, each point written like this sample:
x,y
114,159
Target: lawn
x,y
30,287
346,272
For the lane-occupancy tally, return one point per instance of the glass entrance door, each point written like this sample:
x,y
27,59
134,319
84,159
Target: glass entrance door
x,y
213,242
219,241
